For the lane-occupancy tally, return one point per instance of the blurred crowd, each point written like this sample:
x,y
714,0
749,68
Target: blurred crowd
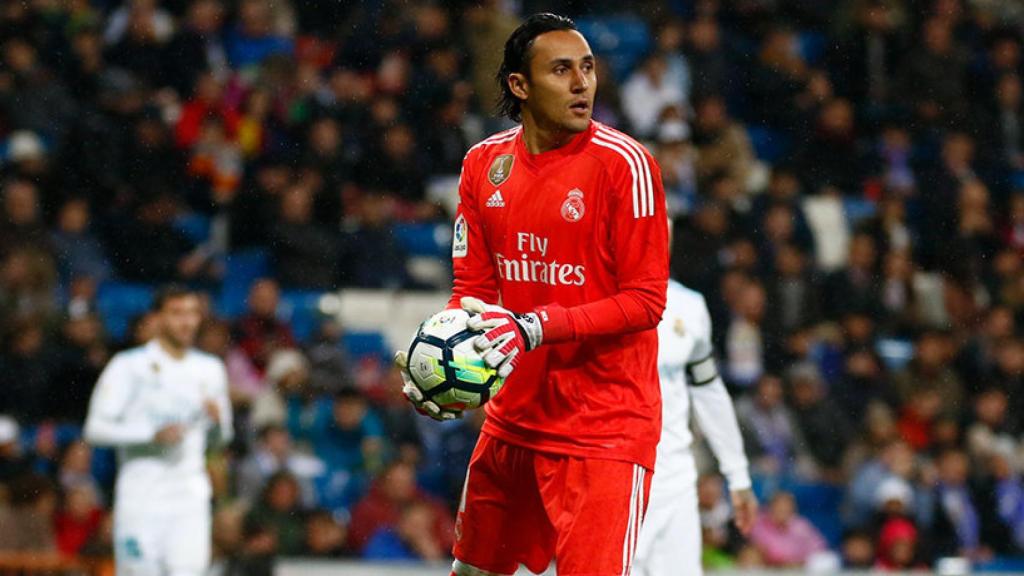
x,y
846,179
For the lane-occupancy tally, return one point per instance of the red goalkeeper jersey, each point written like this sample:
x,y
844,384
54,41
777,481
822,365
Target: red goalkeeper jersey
x,y
578,234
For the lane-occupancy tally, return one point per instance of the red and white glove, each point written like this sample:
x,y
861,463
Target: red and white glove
x,y
415,396
506,334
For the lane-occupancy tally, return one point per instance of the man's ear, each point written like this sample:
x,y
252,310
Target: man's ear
x,y
519,85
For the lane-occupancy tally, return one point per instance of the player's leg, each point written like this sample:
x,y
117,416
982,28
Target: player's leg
x,y
188,539
596,507
500,522
670,541
137,549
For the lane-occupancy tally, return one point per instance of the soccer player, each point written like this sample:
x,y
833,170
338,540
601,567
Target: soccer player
x,y
670,540
161,405
561,220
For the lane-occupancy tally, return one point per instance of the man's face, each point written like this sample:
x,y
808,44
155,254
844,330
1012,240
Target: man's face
x,y
179,320
559,90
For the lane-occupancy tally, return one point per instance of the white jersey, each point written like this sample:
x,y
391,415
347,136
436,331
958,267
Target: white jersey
x,y
143,390
688,374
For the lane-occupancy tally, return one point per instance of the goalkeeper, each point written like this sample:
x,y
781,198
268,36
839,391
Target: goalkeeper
x,y
561,220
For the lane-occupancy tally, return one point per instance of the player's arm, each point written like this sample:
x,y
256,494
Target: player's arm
x,y
218,408
108,423
713,409
472,261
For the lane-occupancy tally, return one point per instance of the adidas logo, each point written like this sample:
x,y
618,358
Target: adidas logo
x,y
496,201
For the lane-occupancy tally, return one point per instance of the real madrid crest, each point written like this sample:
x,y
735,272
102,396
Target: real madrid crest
x,y
573,207
501,169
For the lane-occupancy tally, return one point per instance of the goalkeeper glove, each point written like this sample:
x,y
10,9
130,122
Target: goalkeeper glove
x,y
506,334
414,395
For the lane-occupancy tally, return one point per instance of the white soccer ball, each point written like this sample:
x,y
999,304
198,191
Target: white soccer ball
x,y
446,366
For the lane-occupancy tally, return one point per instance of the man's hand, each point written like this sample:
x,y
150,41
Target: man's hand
x,y
744,506
212,410
506,335
170,435
414,395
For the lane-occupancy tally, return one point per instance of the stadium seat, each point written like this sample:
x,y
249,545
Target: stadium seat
x,y
770,145
195,227
301,309
366,344
621,40
858,210
812,46
424,239
242,268
121,302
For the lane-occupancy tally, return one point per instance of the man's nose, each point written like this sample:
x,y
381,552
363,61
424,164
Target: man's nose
x,y
580,82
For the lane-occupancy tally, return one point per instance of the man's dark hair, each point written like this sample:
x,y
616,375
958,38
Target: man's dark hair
x,y
517,57
170,292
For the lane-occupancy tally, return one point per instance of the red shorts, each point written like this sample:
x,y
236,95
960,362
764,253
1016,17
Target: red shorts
x,y
520,506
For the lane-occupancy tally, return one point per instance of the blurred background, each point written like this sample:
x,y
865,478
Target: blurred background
x,y
846,179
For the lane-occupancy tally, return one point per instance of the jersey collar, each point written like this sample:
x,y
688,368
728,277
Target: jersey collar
x,y
538,161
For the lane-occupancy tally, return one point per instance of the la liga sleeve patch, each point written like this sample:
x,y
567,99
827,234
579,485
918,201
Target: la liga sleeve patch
x,y
460,238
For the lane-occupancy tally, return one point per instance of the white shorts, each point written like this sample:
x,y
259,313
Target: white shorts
x,y
670,541
171,539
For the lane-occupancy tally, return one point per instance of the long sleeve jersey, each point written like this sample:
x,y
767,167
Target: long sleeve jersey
x,y
689,378
579,235
143,390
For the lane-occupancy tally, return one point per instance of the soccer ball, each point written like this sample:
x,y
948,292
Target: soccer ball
x,y
446,366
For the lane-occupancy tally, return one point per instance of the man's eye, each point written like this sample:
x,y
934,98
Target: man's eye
x,y
560,70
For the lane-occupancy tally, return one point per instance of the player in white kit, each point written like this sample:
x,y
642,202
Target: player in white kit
x,y
161,405
670,538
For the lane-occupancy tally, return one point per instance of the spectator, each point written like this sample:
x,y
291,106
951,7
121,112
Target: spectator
x,y
930,370
371,255
258,332
78,249
649,92
411,539
745,337
325,536
774,437
13,463
196,46
329,364
305,255
76,468
677,158
784,538
895,460
287,382
723,144
27,526
27,284
281,514
830,155
346,434
855,288
382,507
274,454
707,58
898,547
78,520
933,78
22,217
818,417
26,372
858,551
254,38
719,532
956,530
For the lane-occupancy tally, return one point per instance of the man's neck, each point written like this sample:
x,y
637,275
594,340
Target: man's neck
x,y
172,350
538,138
